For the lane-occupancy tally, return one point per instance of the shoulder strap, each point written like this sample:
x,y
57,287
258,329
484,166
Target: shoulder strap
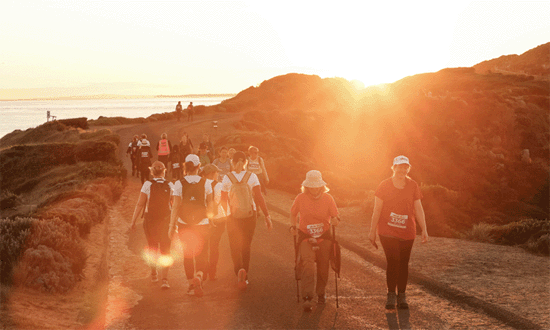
x,y
246,177
232,177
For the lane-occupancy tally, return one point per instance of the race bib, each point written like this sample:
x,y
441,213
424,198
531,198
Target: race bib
x,y
175,165
315,230
398,220
144,154
253,166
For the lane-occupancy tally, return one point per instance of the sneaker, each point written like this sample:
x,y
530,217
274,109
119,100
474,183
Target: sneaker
x,y
197,283
242,283
402,301
191,290
390,303
308,304
321,299
165,284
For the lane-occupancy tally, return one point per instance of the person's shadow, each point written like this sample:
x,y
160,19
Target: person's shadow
x,y
399,321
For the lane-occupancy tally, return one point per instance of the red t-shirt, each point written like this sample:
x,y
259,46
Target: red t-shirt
x,y
397,218
315,214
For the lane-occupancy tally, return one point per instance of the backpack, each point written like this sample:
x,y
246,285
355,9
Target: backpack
x,y
159,202
193,204
241,202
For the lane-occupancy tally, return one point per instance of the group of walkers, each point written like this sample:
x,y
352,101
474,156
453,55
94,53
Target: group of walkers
x,y
210,194
197,206
189,110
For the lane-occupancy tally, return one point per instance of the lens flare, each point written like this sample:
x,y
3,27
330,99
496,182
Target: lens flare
x,y
165,261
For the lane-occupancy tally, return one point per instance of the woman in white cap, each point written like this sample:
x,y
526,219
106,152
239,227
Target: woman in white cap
x,y
317,211
192,197
397,207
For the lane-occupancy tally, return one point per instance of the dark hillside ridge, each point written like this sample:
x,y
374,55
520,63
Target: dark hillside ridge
x,y
535,62
483,139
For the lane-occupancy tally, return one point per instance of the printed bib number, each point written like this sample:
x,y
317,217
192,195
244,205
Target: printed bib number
x,y
144,154
315,230
253,166
398,220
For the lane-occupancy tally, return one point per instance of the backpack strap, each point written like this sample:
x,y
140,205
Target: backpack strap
x,y
232,177
246,177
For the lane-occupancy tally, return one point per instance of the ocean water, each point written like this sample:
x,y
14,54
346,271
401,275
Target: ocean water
x,y
26,114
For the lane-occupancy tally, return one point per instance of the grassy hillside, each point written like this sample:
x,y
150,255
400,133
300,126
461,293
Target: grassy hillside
x,y
464,133
534,62
56,182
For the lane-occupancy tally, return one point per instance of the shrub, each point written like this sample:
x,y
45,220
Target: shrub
x,y
13,234
532,234
54,257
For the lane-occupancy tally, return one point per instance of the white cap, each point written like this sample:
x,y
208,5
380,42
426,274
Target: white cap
x,y
193,158
314,180
401,160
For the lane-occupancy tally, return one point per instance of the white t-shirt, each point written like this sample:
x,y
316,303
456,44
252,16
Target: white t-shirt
x,y
252,182
146,189
177,191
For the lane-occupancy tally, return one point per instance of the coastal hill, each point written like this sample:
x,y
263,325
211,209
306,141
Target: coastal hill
x,y
534,62
478,143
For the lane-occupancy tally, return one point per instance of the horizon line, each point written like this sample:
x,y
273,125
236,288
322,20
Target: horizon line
x,y
119,97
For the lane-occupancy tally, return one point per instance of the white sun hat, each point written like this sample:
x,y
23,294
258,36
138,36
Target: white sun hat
x,y
401,160
314,179
193,158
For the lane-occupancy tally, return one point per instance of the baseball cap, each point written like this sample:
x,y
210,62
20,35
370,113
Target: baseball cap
x,y
193,158
401,160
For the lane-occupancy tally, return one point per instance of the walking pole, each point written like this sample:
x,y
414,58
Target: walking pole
x,y
336,274
296,269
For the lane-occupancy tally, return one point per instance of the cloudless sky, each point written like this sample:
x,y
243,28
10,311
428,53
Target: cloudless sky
x,y
176,47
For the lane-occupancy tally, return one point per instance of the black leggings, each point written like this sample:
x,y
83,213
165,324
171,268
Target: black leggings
x,y
240,232
215,237
398,253
195,241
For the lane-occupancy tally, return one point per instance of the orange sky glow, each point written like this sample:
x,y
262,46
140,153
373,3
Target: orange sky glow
x,y
175,48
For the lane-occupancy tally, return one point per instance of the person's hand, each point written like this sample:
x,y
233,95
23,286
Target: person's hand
x,y
268,223
425,237
372,238
293,230
334,221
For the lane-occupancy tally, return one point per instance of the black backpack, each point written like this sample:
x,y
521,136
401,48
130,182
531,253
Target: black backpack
x,y
193,202
159,201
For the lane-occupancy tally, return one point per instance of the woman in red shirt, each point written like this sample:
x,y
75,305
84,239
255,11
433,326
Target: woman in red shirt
x,y
317,211
397,206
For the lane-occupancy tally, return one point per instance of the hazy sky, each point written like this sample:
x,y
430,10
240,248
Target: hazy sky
x,y
176,47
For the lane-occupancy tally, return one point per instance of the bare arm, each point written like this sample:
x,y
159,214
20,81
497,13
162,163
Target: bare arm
x,y
375,218
174,215
259,200
140,206
421,218
264,170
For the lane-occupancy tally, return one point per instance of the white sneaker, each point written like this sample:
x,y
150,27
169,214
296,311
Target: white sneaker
x,y
165,284
242,282
197,282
